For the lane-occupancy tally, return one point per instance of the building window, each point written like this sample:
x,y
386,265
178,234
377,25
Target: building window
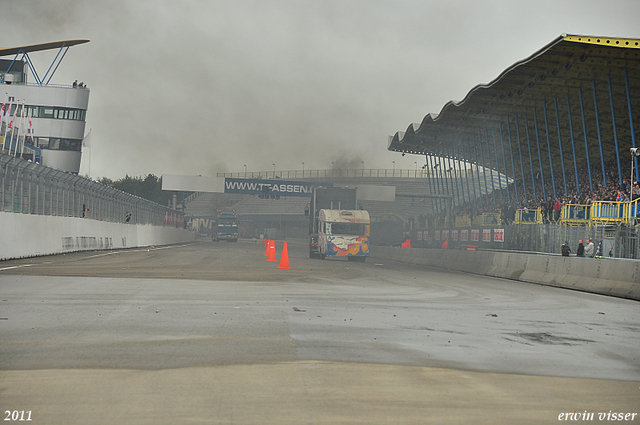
x,y
55,113
58,144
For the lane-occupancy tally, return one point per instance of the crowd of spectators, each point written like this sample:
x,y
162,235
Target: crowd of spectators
x,y
617,189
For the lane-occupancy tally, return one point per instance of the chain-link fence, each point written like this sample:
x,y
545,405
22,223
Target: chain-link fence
x,y
31,188
619,241
616,241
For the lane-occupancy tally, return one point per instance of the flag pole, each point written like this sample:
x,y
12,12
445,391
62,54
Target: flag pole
x,y
21,129
2,119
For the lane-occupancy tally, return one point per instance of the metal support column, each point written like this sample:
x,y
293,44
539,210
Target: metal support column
x,y
495,150
546,126
633,136
504,161
615,130
564,175
473,182
586,144
535,121
493,186
464,201
524,183
475,152
573,145
533,178
513,167
595,106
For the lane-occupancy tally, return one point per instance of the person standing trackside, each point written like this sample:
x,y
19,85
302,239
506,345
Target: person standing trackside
x,y
589,249
566,251
599,249
580,252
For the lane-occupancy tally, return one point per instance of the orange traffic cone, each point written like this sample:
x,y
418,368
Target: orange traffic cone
x,y
272,251
284,259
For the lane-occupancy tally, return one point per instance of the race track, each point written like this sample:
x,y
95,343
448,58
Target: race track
x,y
213,333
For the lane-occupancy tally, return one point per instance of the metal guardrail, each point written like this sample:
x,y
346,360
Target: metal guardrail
x,y
31,188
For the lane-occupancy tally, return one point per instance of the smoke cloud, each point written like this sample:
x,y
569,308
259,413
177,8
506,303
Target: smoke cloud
x,y
202,87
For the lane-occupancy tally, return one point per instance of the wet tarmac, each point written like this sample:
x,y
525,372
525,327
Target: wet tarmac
x,y
173,315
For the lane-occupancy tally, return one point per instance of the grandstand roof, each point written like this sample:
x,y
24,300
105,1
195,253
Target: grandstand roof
x,y
7,51
567,71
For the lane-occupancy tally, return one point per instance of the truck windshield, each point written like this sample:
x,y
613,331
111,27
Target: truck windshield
x,y
347,229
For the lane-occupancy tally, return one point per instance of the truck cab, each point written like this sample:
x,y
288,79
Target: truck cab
x,y
226,228
344,233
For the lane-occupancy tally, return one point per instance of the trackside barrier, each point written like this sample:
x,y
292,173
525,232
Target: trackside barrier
x,y
611,276
29,235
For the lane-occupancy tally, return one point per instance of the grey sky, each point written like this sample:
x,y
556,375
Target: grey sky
x,y
200,87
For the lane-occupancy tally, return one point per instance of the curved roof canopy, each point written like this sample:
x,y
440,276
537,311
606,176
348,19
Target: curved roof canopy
x,y
596,78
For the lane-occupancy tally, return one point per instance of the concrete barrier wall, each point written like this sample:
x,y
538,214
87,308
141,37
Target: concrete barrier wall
x,y
610,276
25,235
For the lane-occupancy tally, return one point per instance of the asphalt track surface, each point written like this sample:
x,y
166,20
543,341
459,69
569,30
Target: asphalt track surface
x,y
213,333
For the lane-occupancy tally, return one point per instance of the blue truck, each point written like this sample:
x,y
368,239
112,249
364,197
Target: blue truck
x,y
226,227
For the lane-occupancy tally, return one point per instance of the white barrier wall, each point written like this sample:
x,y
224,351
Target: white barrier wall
x,y
25,235
608,276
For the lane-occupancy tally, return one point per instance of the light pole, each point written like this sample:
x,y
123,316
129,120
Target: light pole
x,y
274,170
303,169
245,171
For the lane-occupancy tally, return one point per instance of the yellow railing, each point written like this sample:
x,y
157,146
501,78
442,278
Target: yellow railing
x,y
487,219
607,212
630,210
575,214
463,221
528,216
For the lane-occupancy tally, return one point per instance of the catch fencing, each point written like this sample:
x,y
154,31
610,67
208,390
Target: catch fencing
x,y
618,241
31,188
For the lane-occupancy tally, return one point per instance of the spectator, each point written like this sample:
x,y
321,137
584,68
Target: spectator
x,y
566,251
599,249
580,252
589,249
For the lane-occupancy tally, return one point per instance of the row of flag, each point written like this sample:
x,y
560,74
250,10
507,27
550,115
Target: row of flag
x,y
9,121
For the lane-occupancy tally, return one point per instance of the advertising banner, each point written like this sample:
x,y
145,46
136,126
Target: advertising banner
x,y
269,187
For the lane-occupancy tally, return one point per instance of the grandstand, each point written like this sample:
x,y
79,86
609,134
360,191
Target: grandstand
x,y
560,123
